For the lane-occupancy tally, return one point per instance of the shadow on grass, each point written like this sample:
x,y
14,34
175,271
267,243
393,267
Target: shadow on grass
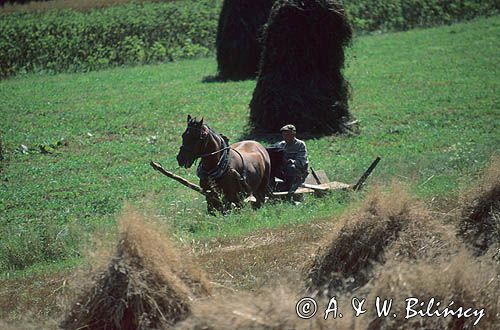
x,y
219,79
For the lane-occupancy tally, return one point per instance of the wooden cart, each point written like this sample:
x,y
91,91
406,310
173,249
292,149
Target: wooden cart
x,y
317,182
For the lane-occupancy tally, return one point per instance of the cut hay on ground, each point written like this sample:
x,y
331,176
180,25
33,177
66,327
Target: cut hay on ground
x,y
469,283
272,308
389,226
28,325
145,285
479,221
238,37
300,79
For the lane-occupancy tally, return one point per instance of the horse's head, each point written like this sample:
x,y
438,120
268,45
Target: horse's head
x,y
193,141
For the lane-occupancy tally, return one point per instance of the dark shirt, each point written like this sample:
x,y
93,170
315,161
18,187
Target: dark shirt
x,y
295,150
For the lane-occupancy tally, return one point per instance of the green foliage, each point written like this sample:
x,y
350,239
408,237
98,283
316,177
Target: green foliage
x,y
157,53
371,15
69,40
130,34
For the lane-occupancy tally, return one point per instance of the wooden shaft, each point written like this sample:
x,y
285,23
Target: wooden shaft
x,y
177,178
314,187
365,175
315,176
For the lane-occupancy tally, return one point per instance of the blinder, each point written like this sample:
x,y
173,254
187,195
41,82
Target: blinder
x,y
203,137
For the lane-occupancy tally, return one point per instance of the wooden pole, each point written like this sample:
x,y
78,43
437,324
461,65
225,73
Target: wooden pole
x,y
177,178
365,175
315,176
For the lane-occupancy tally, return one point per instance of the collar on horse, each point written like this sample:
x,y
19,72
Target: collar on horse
x,y
223,164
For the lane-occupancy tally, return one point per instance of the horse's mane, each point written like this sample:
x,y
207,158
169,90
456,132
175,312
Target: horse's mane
x,y
194,122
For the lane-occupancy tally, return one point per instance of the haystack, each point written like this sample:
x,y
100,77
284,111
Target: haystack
x,y
389,227
144,286
468,282
361,240
479,223
424,238
238,37
300,75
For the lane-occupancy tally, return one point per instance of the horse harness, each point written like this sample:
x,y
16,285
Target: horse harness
x,y
223,165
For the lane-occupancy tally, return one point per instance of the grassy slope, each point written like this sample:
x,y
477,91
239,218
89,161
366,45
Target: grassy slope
x,y
426,100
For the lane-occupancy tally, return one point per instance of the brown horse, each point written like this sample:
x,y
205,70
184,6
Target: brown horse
x,y
233,171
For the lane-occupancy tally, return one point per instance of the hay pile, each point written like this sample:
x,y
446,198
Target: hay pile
x,y
28,324
479,220
238,37
145,285
466,281
300,79
270,308
389,226
346,260
424,238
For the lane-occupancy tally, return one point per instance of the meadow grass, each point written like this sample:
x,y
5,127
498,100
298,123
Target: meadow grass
x,y
427,102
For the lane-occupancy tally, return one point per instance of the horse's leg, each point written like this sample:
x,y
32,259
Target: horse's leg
x,y
214,203
238,202
237,191
263,189
227,206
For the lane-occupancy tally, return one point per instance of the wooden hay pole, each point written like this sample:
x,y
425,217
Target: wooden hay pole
x,y
365,175
195,187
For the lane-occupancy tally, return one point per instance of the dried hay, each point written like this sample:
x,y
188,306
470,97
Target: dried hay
x,y
361,240
300,79
424,238
479,222
28,324
238,37
145,285
272,308
467,282
389,226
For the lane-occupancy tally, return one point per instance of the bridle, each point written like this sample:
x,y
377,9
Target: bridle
x,y
204,133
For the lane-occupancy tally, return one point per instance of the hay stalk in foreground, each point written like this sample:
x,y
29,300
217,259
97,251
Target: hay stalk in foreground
x,y
144,286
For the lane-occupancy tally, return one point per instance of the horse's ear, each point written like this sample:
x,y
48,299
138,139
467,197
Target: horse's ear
x,y
189,118
201,122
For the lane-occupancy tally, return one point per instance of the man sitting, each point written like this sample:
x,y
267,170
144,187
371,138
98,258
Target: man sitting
x,y
295,165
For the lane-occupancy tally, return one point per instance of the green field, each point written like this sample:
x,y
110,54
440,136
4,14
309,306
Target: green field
x,y
427,102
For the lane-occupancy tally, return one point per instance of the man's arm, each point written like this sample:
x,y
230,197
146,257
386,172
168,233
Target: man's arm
x,y
280,145
301,156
